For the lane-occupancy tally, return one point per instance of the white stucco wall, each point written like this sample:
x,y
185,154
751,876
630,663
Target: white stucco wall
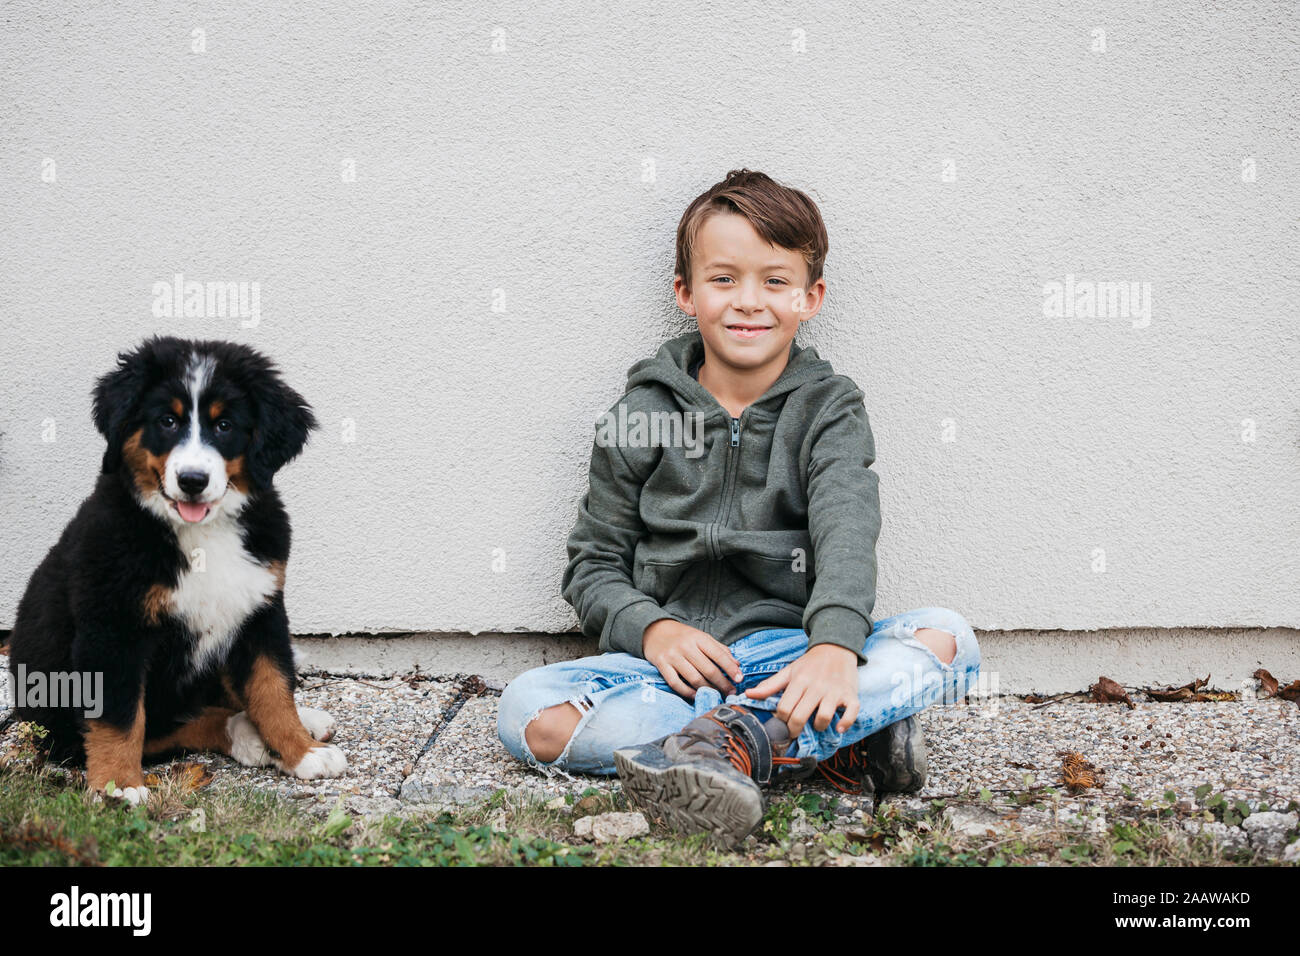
x,y
526,169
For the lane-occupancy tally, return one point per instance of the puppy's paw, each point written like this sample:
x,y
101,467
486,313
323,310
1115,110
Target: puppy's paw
x,y
318,723
246,744
325,761
132,795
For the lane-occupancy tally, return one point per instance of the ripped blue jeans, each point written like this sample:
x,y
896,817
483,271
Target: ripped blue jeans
x,y
624,700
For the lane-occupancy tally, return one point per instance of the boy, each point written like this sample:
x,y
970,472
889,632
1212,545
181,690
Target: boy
x,y
726,548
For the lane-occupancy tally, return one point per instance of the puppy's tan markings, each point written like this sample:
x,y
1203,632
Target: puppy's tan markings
x,y
271,709
277,568
178,407
235,474
233,697
215,409
146,467
115,753
205,732
157,603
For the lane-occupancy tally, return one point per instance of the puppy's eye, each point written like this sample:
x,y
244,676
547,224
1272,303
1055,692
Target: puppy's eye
x,y
168,422
223,425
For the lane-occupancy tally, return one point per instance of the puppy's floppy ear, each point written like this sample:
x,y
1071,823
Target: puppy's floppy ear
x,y
283,422
116,396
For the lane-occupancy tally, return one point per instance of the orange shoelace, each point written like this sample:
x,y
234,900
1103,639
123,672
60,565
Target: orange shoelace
x,y
736,750
844,769
739,754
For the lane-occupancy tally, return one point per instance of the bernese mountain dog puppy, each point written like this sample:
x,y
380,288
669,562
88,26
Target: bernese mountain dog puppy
x,y
166,588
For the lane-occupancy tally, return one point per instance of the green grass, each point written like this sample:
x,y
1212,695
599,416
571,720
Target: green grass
x,y
48,818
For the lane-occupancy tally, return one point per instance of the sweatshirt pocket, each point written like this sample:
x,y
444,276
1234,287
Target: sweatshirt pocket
x,y
784,578
660,579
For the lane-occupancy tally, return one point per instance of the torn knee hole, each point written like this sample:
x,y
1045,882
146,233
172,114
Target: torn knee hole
x,y
942,643
548,732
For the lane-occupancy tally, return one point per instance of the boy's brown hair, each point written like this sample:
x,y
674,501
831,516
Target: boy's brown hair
x,y
783,216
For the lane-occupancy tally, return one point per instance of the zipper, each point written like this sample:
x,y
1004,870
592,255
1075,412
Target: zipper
x,y
728,487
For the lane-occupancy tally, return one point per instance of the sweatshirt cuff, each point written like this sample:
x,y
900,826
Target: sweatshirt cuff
x,y
627,628
840,626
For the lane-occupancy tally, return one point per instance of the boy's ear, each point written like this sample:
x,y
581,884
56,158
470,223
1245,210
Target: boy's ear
x,y
814,297
682,292
116,397
283,421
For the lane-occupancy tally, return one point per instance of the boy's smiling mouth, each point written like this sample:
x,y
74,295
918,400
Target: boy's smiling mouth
x,y
747,330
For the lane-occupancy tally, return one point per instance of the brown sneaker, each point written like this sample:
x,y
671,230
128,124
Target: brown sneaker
x,y
706,776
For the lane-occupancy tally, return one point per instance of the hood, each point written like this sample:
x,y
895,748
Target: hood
x,y
670,367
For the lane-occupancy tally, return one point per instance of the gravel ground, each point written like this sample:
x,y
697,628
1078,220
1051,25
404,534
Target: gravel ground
x,y
382,726
1240,748
1243,749
1237,746
386,726
468,762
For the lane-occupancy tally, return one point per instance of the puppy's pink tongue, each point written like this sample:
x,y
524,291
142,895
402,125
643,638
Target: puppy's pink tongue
x,y
192,510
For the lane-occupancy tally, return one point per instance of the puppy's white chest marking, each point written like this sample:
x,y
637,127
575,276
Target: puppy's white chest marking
x,y
222,587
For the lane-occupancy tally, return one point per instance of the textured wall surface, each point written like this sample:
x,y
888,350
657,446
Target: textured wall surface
x,y
461,310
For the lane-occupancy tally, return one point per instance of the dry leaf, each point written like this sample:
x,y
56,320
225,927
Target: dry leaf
x,y
1267,682
195,776
1290,692
1107,691
1078,774
190,776
1186,692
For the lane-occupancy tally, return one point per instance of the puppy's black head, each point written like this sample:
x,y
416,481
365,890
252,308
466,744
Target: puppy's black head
x,y
281,418
198,424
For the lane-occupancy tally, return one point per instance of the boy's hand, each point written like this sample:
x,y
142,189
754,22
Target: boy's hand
x,y
823,679
689,658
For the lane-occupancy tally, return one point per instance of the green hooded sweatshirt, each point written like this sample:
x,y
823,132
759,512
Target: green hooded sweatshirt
x,y
728,525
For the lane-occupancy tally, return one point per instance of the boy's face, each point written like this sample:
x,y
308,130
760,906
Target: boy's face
x,y
747,295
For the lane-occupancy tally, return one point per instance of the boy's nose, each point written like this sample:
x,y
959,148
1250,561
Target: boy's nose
x,y
748,297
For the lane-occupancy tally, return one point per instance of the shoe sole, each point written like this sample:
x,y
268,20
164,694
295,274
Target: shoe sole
x,y
898,758
690,797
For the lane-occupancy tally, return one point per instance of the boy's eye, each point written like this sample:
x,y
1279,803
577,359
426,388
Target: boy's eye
x,y
776,279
